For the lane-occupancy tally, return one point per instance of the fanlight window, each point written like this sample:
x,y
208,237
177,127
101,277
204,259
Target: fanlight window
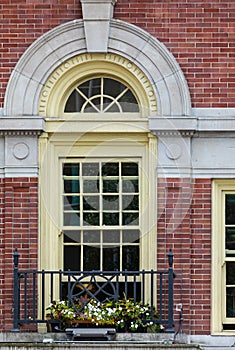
x,y
101,95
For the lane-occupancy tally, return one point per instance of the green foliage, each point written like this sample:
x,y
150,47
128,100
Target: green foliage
x,y
124,314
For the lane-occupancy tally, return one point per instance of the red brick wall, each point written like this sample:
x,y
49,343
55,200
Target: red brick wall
x,y
18,229
184,224
200,34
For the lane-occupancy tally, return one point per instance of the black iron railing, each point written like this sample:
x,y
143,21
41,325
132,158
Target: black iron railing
x,y
34,290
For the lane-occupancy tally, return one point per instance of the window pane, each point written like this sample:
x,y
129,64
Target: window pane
x,y
129,102
71,203
110,169
230,209
129,169
71,219
90,186
72,257
111,236
91,236
111,258
230,302
90,87
130,219
71,186
91,203
110,186
91,259
91,219
230,242
130,186
71,169
110,202
111,219
89,108
74,102
113,87
130,236
130,258
90,169
130,202
72,236
230,273
111,107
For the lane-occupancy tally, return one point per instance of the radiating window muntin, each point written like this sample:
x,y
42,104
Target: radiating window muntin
x,y
101,95
101,215
230,253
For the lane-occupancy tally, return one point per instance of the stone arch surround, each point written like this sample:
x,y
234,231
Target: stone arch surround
x,y
68,40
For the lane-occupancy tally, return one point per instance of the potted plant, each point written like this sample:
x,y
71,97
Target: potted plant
x,y
125,314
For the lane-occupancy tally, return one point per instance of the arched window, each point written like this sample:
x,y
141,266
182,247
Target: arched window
x,y
101,95
100,160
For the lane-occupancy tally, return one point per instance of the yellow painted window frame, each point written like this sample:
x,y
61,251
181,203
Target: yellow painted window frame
x,y
218,291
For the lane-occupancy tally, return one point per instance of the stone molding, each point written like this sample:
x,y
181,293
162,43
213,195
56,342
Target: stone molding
x,y
68,40
21,125
96,16
18,143
78,61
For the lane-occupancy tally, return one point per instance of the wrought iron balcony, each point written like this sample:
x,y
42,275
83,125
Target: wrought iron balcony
x,y
34,290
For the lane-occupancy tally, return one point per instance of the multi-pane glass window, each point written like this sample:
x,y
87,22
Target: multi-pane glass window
x,y
101,215
230,253
101,95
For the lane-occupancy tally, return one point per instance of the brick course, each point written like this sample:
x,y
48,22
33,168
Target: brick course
x,y
18,229
184,224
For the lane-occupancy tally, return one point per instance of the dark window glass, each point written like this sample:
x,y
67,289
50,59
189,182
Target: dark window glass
x,y
113,87
91,87
130,202
74,102
129,103
115,97
111,258
91,203
71,186
71,219
130,258
91,259
130,219
130,186
111,203
91,219
71,169
72,236
129,169
230,273
110,169
230,209
230,302
71,203
230,241
110,186
72,256
110,219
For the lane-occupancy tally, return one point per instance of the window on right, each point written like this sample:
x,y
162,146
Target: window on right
x,y
223,256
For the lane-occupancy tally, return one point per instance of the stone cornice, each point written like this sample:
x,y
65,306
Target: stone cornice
x,y
21,125
187,126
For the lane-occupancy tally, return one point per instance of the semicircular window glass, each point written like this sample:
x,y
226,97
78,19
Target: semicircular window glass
x,y
101,95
